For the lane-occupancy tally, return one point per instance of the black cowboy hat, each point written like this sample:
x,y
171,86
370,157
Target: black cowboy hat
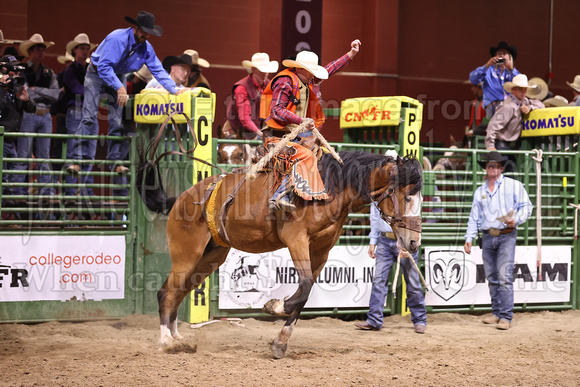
x,y
172,59
146,21
493,156
511,49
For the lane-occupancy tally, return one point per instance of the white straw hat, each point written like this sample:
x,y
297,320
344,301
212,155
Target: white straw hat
x,y
520,80
65,58
576,84
308,61
33,41
78,40
262,62
540,91
195,59
556,101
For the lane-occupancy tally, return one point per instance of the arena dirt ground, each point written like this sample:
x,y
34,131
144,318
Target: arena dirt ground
x,y
541,349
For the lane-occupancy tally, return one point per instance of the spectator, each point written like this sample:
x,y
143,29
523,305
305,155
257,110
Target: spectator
x,y
505,127
14,101
500,205
476,125
74,90
6,47
287,101
178,68
44,91
540,92
243,110
123,51
556,101
494,73
196,78
138,80
383,248
576,90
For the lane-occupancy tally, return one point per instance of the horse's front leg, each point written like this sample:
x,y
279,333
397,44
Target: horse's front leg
x,y
293,305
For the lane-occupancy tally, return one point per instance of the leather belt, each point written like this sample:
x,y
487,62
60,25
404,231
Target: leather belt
x,y
390,235
41,111
497,231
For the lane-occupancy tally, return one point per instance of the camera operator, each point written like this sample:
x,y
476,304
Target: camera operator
x,y
14,100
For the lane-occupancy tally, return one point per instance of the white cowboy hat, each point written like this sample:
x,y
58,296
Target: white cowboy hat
x,y
33,41
308,61
576,84
540,91
262,62
7,41
65,58
195,59
144,74
79,39
556,101
520,80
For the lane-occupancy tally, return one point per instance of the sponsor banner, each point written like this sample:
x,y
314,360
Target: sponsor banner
x,y
250,280
373,111
455,278
152,106
412,132
555,121
60,268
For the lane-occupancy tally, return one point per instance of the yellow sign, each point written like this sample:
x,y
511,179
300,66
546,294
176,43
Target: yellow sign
x,y
373,111
152,106
412,131
556,121
203,112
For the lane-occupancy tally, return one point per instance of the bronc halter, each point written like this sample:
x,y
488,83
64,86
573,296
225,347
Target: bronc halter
x,y
412,223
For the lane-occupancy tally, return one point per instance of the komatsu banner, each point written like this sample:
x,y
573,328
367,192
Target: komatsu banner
x,y
152,106
556,121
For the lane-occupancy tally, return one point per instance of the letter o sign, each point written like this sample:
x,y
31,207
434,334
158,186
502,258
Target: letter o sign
x,y
303,22
411,138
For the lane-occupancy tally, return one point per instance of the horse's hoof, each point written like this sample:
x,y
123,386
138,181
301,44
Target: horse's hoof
x,y
274,307
278,349
177,336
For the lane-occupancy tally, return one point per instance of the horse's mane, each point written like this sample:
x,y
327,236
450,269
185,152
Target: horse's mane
x,y
357,168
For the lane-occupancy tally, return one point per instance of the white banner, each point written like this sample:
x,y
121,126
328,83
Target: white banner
x,y
455,278
52,268
250,280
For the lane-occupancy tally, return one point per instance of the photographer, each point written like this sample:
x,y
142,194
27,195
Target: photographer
x,y
14,100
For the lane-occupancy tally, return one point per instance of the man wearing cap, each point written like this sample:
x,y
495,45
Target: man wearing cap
x,y
287,101
384,250
178,68
505,127
500,205
576,90
494,73
43,89
123,51
14,101
73,79
196,78
243,110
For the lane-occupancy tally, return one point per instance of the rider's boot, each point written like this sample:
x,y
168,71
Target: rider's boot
x,y
282,198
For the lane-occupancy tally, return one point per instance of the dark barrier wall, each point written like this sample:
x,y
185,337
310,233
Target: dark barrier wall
x,y
423,49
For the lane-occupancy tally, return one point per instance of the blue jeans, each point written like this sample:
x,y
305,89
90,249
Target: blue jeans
x,y
31,123
9,151
498,262
80,149
386,255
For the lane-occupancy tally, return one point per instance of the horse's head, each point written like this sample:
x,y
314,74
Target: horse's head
x,y
400,204
234,154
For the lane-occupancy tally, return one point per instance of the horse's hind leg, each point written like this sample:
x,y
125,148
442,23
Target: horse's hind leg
x,y
180,282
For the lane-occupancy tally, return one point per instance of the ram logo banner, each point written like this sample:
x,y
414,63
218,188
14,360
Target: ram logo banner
x,y
456,278
447,272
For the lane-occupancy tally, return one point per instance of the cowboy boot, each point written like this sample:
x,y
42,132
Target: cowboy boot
x,y
282,198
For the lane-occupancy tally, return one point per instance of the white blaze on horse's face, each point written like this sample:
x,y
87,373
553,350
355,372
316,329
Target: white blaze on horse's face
x,y
408,239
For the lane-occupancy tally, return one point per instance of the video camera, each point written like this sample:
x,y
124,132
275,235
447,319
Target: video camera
x,y
16,82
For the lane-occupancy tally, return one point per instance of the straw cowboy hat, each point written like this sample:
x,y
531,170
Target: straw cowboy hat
x,y
195,59
146,21
576,84
262,62
78,40
7,41
308,61
173,60
556,101
540,91
33,41
503,45
520,80
144,74
62,59
493,157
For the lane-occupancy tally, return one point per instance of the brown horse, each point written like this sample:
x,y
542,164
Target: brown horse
x,y
309,233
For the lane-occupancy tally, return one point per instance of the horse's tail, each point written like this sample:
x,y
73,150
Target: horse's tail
x,y
150,187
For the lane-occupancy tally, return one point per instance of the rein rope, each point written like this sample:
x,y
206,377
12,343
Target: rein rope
x,y
182,151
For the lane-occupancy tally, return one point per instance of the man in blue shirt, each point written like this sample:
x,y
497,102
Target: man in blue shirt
x,y
494,73
123,51
499,206
383,248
